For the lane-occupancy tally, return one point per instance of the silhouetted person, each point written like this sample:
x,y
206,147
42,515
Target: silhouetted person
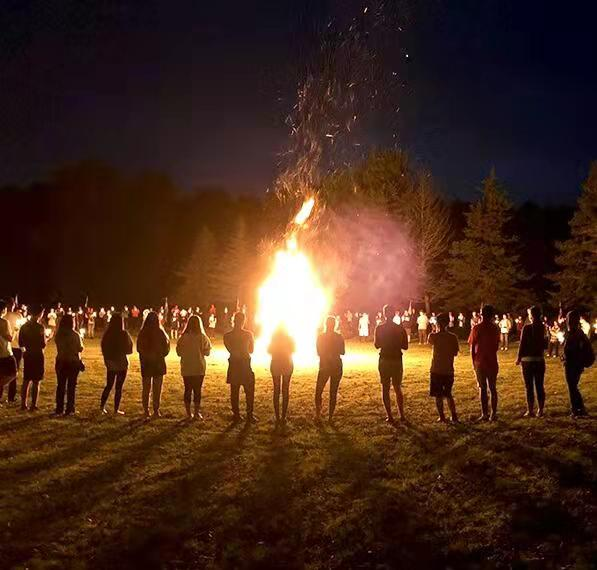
x,y
192,347
533,342
330,348
117,344
484,341
422,325
281,348
32,340
153,346
445,348
240,344
578,355
8,365
391,340
68,364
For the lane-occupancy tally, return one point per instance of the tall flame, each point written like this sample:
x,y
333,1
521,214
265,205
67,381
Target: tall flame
x,y
292,296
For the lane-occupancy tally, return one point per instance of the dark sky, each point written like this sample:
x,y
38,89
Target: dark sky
x,y
200,89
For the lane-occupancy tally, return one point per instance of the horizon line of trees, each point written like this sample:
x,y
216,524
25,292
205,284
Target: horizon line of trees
x,y
90,231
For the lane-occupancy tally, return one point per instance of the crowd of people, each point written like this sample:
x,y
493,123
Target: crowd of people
x,y
25,332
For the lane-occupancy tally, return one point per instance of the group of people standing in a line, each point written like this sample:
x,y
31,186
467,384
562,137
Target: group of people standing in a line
x,y
193,346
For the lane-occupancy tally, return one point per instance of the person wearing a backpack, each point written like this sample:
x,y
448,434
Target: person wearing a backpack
x,y
578,355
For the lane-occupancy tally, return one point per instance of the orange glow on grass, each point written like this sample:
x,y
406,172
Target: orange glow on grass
x,y
292,296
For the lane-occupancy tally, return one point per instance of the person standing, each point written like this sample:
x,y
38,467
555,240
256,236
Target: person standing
x,y
445,349
553,349
68,364
533,342
52,319
8,365
192,347
212,322
240,344
32,339
153,346
116,345
91,315
505,326
363,327
484,341
15,320
422,325
281,348
578,355
391,340
330,348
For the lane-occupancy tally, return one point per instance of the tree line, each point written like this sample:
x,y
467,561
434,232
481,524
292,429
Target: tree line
x,y
92,231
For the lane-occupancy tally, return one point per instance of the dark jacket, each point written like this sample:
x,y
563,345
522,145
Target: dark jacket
x,y
533,341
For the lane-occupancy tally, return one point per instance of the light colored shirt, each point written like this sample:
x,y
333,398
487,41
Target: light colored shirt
x,y
5,331
192,349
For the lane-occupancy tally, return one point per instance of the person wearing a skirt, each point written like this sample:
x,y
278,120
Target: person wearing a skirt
x,y
32,340
68,365
281,348
153,346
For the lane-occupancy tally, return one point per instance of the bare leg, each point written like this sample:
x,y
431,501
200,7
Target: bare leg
x,y
399,400
439,404
387,401
452,406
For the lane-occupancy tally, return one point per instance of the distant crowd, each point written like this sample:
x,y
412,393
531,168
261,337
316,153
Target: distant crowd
x,y
24,333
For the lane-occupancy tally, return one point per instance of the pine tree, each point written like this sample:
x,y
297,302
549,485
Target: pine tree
x,y
232,270
197,276
577,279
484,266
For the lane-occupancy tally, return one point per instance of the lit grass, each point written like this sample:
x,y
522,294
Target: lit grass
x,y
105,492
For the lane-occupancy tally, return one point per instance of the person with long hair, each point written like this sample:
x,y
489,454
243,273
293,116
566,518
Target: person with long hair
x,y
68,364
153,346
116,345
240,344
192,347
578,355
533,342
281,348
330,348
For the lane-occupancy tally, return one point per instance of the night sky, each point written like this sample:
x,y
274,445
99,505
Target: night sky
x,y
200,89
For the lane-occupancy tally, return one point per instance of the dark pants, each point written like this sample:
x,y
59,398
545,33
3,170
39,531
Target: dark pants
x,y
12,387
66,376
487,382
534,376
573,375
192,389
112,378
249,388
323,377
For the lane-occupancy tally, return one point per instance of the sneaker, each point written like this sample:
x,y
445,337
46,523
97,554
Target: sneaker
x,y
528,414
540,413
104,411
441,420
198,416
389,420
493,418
118,413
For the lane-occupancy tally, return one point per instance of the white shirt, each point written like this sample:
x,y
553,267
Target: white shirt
x,y
422,322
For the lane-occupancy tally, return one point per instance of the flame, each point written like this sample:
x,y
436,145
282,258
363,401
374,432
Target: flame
x,y
293,297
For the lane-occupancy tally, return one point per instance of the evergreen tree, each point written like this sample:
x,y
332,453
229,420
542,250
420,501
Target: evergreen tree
x,y
232,270
483,267
577,279
198,275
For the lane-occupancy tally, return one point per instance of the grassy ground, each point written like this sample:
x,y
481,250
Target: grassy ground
x,y
103,492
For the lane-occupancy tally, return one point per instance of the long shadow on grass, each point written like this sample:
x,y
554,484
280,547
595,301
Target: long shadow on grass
x,y
182,523
374,523
41,522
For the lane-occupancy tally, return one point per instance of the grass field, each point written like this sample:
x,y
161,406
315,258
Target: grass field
x,y
111,492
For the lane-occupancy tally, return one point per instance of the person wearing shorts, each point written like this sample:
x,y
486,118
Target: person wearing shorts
x,y
445,348
391,340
